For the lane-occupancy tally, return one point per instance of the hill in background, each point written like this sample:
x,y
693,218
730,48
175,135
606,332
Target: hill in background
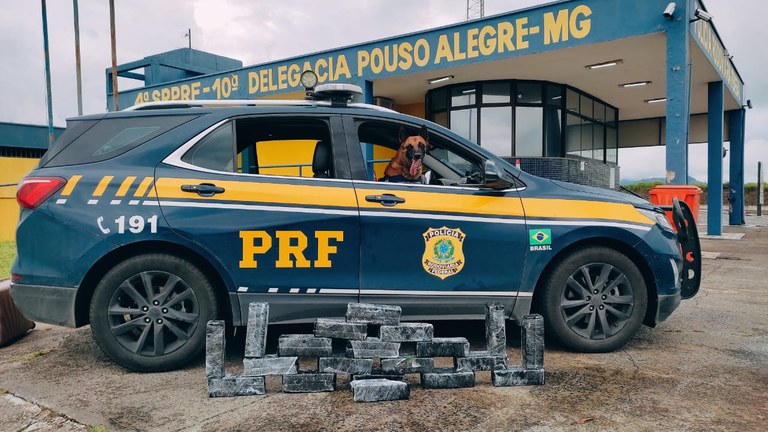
x,y
625,182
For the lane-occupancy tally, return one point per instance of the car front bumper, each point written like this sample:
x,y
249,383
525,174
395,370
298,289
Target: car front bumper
x,y
46,304
667,304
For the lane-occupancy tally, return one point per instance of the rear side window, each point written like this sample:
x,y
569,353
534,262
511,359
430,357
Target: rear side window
x,y
125,137
74,129
111,137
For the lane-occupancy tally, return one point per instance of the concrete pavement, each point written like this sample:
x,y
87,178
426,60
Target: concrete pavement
x,y
706,368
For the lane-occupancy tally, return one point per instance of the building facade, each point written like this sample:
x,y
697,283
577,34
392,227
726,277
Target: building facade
x,y
557,89
572,79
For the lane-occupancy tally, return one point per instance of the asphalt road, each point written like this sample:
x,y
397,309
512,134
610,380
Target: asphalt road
x,y
706,368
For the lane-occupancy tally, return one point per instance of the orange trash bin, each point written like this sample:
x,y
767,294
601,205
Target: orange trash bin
x,y
663,194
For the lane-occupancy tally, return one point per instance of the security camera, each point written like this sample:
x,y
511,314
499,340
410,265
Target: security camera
x,y
702,15
670,10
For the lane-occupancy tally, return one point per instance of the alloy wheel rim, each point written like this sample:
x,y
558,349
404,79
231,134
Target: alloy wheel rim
x,y
597,301
153,313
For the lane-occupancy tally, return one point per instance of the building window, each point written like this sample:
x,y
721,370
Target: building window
x,y
464,122
573,135
529,131
528,93
496,134
528,118
496,93
463,96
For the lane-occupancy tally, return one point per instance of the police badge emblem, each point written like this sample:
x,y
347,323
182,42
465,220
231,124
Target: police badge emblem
x,y
443,253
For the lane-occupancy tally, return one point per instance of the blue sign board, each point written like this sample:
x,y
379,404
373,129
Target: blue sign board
x,y
708,40
546,28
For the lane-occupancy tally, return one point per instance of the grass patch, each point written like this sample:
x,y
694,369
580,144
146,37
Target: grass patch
x,y
98,429
32,356
7,253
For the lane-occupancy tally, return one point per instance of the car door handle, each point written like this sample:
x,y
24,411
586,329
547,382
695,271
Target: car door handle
x,y
387,200
203,189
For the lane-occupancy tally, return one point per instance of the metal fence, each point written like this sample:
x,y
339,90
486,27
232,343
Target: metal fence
x,y
571,169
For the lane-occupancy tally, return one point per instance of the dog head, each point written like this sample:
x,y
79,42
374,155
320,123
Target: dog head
x,y
412,151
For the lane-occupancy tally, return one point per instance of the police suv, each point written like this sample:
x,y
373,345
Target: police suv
x,y
147,223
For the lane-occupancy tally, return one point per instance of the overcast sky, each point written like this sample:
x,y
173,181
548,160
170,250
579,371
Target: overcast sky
x,y
261,30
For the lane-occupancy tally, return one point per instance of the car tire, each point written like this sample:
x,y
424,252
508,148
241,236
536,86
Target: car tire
x,y
594,300
156,329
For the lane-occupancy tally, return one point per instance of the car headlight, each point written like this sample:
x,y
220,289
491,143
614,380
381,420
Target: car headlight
x,y
660,218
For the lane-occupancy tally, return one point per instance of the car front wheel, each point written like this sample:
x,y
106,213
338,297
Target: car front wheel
x,y
148,313
594,300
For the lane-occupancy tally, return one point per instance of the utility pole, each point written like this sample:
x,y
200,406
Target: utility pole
x,y
47,74
77,59
760,189
115,103
189,36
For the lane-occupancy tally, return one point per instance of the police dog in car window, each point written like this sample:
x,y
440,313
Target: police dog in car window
x,y
406,165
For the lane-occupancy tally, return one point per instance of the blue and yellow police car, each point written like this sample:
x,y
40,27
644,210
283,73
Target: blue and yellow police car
x,y
147,223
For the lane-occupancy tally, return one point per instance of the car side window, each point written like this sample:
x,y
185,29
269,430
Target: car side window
x,y
293,147
215,151
407,154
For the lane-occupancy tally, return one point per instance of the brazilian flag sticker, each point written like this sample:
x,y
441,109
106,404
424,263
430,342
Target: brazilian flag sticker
x,y
540,236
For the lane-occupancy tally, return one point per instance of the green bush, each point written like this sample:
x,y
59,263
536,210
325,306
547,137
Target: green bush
x,y
642,188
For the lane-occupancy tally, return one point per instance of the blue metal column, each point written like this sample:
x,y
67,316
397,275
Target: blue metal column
x,y
678,96
736,190
715,159
48,96
368,92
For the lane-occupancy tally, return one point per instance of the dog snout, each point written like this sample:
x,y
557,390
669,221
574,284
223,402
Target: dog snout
x,y
414,153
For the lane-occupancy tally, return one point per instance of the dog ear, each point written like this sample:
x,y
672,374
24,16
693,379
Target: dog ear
x,y
424,133
403,134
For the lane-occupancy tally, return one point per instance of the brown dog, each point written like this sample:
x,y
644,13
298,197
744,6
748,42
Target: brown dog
x,y
406,165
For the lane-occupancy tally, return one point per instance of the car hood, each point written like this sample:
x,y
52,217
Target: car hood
x,y
607,193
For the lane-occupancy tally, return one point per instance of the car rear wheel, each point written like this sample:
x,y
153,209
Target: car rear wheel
x,y
594,300
148,313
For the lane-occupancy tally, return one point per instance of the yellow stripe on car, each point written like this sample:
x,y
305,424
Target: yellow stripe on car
x,y
445,202
102,186
125,186
71,183
143,187
437,202
582,209
276,193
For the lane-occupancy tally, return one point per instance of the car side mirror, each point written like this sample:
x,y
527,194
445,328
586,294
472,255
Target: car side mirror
x,y
495,177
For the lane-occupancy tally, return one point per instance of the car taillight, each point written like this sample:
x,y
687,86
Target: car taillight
x,y
33,191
